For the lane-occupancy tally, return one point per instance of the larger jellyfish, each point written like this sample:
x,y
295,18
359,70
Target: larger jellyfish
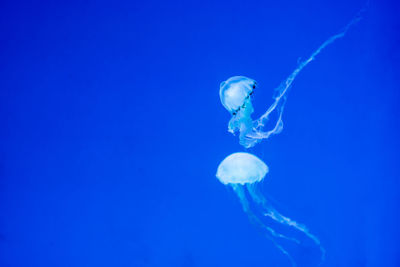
x,y
243,172
235,94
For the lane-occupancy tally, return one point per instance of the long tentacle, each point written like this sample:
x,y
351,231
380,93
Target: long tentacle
x,y
277,216
254,219
283,88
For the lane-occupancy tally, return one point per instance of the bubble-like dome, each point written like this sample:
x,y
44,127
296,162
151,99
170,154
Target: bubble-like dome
x,y
234,92
241,168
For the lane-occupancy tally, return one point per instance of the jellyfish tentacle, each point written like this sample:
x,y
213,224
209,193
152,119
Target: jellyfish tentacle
x,y
254,219
284,251
277,216
281,92
283,88
246,207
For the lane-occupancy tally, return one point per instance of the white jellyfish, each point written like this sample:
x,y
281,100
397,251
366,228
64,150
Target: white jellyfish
x,y
243,171
235,94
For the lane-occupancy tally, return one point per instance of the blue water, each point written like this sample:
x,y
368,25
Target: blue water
x,y
112,131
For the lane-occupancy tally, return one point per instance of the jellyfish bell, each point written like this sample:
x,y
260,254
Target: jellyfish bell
x,y
235,93
241,168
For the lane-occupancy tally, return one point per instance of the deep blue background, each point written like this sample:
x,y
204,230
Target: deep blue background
x,y
112,129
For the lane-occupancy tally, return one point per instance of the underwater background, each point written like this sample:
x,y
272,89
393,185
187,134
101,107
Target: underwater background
x,y
112,131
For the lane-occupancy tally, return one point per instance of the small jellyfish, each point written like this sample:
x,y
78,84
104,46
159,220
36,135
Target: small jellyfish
x,y
243,171
235,94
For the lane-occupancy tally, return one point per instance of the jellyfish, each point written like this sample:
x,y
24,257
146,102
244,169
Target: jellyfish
x,y
243,172
236,93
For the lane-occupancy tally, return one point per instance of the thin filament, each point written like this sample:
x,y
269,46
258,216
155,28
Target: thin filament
x,y
283,89
278,217
254,219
